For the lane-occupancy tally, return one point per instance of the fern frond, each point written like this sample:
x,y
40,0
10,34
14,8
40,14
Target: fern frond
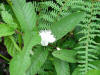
x,y
52,12
87,49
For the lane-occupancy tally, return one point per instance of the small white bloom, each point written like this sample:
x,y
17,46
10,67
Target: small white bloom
x,y
58,48
46,37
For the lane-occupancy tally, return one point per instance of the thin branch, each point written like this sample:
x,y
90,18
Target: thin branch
x,y
5,58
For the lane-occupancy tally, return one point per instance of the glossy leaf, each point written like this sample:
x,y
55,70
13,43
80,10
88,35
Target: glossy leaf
x,y
66,55
37,60
5,30
24,56
26,17
7,18
10,46
66,24
31,39
62,67
20,63
25,14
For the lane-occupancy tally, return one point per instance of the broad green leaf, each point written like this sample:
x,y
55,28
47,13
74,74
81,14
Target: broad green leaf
x,y
25,14
11,46
20,63
48,65
37,60
66,55
5,30
8,19
62,67
31,39
24,56
93,72
66,24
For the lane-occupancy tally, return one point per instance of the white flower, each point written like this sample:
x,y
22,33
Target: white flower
x,y
58,48
46,37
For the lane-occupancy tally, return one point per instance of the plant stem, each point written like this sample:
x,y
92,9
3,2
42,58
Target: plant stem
x,y
18,32
52,46
20,40
16,46
5,58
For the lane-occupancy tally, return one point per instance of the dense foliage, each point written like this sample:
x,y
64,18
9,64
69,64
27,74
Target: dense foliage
x,y
27,29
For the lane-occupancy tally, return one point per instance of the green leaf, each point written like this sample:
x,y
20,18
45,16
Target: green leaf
x,y
62,67
25,14
10,47
5,30
93,72
20,63
26,17
8,19
66,24
48,65
24,56
37,60
66,55
31,39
